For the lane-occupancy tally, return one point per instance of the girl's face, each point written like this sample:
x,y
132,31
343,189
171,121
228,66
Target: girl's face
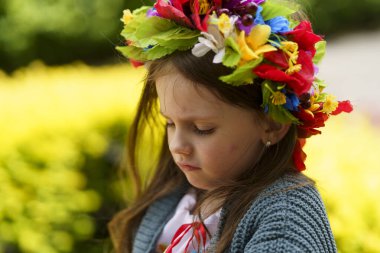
x,y
211,141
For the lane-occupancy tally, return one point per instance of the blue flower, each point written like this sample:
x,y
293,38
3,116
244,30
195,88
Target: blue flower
x,y
259,20
292,102
266,108
278,25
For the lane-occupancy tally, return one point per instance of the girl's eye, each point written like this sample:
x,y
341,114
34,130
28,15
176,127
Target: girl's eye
x,y
203,132
195,129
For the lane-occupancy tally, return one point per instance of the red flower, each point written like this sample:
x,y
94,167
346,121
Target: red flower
x,y
344,106
304,36
309,122
136,64
175,10
300,82
299,155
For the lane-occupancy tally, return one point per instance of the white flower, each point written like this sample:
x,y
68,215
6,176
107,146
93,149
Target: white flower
x,y
213,40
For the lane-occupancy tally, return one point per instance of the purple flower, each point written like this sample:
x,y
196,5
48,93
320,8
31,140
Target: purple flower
x,y
316,69
258,20
241,5
242,27
152,12
232,4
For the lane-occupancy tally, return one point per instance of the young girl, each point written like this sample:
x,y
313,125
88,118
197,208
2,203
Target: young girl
x,y
235,82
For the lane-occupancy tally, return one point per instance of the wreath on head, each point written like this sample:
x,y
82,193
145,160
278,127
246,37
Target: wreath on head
x,y
257,39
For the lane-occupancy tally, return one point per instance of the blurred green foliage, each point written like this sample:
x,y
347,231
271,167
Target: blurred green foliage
x,y
63,31
62,134
333,18
59,31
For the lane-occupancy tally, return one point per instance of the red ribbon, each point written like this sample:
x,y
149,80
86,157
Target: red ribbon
x,y
199,233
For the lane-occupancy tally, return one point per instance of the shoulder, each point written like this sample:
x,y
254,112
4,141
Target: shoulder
x,y
288,216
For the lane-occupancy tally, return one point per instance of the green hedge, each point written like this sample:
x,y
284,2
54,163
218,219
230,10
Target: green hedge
x,y
62,133
334,18
59,31
63,31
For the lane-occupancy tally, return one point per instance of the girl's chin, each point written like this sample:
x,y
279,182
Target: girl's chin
x,y
199,183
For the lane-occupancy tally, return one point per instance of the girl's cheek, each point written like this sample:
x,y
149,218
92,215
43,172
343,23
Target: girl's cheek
x,y
233,148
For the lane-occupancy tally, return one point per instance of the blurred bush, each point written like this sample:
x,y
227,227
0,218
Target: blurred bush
x,y
62,132
62,31
59,31
344,161
333,18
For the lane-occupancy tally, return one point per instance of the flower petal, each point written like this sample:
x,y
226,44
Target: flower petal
x,y
208,43
265,49
344,106
247,53
304,36
259,36
299,155
218,58
200,50
278,25
167,11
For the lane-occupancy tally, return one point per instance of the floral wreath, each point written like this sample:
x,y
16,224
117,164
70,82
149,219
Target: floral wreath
x,y
257,39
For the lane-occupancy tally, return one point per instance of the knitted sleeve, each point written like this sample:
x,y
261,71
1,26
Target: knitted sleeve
x,y
291,221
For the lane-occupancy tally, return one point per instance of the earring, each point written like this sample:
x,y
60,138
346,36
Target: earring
x,y
268,144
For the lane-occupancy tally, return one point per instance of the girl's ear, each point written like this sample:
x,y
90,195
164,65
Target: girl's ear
x,y
274,132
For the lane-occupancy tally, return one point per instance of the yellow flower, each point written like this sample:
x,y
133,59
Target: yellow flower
x,y
127,16
289,46
255,43
330,104
278,98
204,7
224,23
293,69
313,105
291,49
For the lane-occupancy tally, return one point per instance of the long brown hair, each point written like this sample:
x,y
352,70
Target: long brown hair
x,y
275,161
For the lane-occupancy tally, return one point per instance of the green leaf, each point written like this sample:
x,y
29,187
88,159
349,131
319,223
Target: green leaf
x,y
129,31
266,92
179,33
178,44
142,10
180,38
139,17
154,26
321,98
273,8
132,52
242,75
276,112
321,50
232,56
319,85
157,52
281,115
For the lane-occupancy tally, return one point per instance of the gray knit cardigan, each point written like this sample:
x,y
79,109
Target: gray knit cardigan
x,y
283,218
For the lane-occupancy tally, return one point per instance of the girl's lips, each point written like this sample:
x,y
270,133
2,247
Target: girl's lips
x,y
187,167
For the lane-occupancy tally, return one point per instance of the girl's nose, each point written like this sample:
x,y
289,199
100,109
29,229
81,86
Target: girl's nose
x,y
178,144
